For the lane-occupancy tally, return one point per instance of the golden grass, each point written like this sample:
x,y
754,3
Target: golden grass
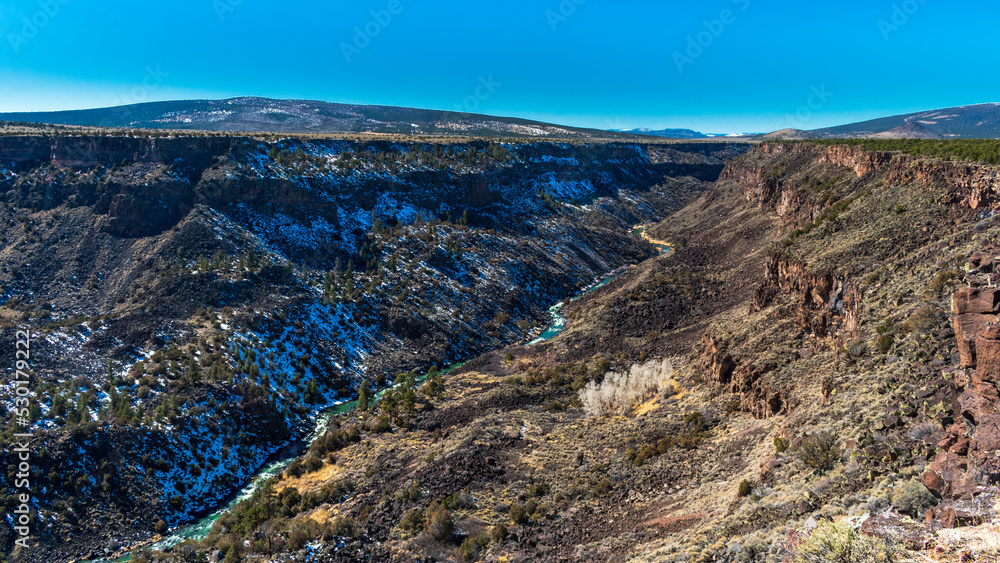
x,y
312,482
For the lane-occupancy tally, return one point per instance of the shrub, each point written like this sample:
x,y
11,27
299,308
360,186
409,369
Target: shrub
x,y
780,444
732,407
839,543
440,524
410,493
538,490
161,527
498,533
603,487
297,539
884,343
341,527
856,349
412,521
913,498
924,319
382,426
695,422
472,547
459,499
469,550
820,451
745,488
621,392
941,280
233,555
518,514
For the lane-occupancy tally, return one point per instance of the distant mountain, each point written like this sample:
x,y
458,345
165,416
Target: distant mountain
x,y
301,116
980,121
789,135
669,133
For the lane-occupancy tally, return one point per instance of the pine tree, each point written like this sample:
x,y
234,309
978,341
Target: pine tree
x,y
364,396
348,290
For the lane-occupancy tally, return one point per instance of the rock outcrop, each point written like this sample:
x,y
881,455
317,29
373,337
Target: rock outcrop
x,y
756,397
974,185
968,458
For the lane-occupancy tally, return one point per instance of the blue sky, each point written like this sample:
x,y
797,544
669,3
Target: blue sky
x,y
714,65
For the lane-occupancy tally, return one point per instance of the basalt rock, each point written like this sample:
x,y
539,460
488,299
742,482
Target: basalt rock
x,y
976,406
818,297
984,451
967,327
987,374
976,300
717,365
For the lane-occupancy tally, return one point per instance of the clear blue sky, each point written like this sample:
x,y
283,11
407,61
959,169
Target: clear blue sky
x,y
599,63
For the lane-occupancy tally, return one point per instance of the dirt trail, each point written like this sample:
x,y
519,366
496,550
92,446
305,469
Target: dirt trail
x,y
655,242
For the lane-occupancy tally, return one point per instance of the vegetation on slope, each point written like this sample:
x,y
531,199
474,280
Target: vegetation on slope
x,y
974,150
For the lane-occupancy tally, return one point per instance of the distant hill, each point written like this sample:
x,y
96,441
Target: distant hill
x,y
980,121
301,116
668,133
789,135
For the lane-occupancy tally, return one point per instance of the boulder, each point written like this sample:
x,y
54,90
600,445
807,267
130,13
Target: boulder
x,y
933,482
976,300
951,468
967,328
956,517
982,261
979,509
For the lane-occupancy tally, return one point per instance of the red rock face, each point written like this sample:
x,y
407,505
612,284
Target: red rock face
x,y
933,482
966,328
984,450
987,357
968,457
976,300
717,365
975,309
756,397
